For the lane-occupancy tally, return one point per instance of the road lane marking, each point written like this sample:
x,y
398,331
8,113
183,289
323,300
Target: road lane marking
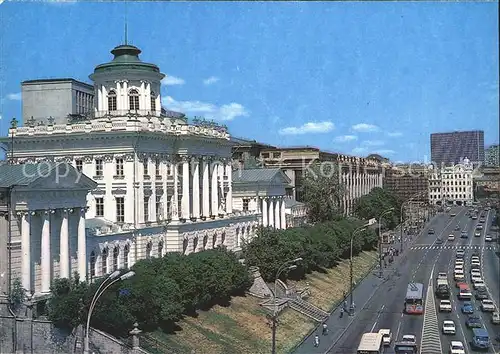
x,y
378,316
430,342
397,331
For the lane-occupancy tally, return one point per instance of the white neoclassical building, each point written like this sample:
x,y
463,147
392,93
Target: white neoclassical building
x,y
452,185
161,184
42,222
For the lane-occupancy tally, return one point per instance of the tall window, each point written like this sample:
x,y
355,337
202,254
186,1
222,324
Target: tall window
x,y
133,100
104,262
119,167
99,167
126,252
99,207
245,204
120,209
79,165
146,209
92,265
112,100
153,101
157,167
145,166
158,207
116,254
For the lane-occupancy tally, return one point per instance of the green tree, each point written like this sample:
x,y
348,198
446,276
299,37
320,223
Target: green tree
x,y
67,306
17,294
322,192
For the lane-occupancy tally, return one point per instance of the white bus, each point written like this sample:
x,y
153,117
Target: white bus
x,y
371,343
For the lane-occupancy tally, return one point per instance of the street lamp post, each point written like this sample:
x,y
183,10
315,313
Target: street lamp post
x,y
401,218
114,277
289,265
361,228
390,210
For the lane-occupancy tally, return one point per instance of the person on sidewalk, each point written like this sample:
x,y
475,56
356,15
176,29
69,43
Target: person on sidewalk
x,y
325,329
341,312
316,340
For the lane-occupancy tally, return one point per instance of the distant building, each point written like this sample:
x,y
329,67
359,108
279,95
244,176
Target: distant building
x,y
449,149
296,213
245,151
358,175
56,98
492,156
452,185
408,182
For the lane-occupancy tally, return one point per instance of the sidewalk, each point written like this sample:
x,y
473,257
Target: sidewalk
x,y
362,294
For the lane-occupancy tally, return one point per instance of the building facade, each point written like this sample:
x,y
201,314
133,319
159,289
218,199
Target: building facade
x,y
452,185
408,182
449,149
357,175
162,185
492,156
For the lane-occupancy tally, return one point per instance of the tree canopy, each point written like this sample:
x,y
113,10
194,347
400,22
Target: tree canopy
x,y
371,205
322,192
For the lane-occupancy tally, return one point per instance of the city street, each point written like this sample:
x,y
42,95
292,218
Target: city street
x,y
383,306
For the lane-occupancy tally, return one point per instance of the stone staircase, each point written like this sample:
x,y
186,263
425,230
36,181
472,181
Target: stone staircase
x,y
308,309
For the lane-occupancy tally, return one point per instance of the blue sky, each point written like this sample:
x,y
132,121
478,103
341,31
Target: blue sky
x,y
348,77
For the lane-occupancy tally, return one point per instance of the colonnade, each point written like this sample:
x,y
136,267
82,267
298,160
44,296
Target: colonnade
x,y
206,196
47,217
358,184
273,212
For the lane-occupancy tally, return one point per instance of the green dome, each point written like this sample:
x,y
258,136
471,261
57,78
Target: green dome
x,y
126,58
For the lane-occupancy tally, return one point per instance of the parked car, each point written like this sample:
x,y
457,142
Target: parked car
x,y
487,306
495,317
457,347
474,322
449,327
445,306
481,294
467,308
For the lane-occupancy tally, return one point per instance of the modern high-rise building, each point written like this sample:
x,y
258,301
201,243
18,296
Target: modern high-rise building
x,y
492,156
449,149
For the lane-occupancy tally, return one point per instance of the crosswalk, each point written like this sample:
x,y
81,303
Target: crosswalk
x,y
454,247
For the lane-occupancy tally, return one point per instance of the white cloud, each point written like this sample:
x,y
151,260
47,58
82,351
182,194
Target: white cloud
x,y
207,110
358,151
14,96
172,80
385,152
345,138
211,80
364,128
394,134
307,128
373,142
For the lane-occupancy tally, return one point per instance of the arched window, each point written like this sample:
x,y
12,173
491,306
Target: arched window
x,y
116,254
92,265
112,100
126,252
160,249
133,100
149,249
153,101
104,261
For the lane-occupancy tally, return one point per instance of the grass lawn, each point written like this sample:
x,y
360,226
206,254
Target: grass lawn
x,y
242,327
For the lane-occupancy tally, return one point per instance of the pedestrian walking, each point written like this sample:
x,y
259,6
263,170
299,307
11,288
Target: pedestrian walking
x,y
316,340
341,312
345,304
325,329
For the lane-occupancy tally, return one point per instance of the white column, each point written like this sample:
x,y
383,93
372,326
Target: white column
x,y
147,96
26,251
277,214
104,96
119,95
45,252
175,199
229,197
215,190
206,188
142,96
271,213
125,95
100,99
82,245
185,188
264,211
196,186
283,214
64,247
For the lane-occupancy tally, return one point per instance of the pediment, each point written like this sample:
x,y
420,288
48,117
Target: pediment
x,y
63,176
281,178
